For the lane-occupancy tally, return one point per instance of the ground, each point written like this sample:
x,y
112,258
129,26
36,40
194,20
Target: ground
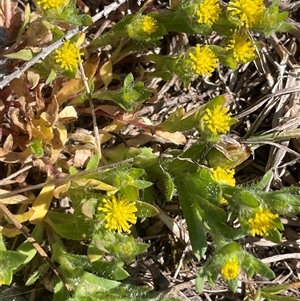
x,y
263,95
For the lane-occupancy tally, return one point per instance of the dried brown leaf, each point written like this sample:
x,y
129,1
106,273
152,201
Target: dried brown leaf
x,y
106,73
40,103
176,137
9,143
7,11
58,191
81,156
15,157
16,199
114,127
9,230
68,114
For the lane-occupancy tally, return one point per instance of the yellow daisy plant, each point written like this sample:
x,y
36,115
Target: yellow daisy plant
x,y
149,25
50,4
262,222
249,13
243,50
230,270
217,120
208,12
223,176
68,56
203,60
119,213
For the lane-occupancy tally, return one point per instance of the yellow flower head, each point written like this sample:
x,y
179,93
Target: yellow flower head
x,y
223,176
230,270
262,222
248,12
48,4
68,56
242,47
208,12
118,213
149,25
203,60
217,120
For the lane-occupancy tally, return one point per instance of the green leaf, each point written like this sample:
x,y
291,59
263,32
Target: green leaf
x,y
223,26
93,162
92,284
192,214
36,147
64,225
2,244
118,245
128,81
24,54
278,297
274,236
246,198
230,248
286,27
233,284
200,281
169,186
9,262
108,269
282,202
26,248
142,184
86,20
146,210
60,292
251,265
265,180
51,77
113,36
41,270
127,97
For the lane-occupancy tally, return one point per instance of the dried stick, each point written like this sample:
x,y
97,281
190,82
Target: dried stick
x,y
39,249
46,51
65,179
88,92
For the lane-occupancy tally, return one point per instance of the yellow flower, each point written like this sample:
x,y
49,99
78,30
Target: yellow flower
x,y
217,120
223,176
203,60
242,47
118,213
208,12
230,269
149,25
48,4
248,12
68,56
262,222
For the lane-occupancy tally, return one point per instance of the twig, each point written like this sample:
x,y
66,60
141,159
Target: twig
x,y
65,179
46,51
281,257
39,249
186,249
88,92
14,175
264,99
